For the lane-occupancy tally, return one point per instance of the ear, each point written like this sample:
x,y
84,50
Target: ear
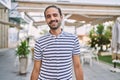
x,y
45,20
61,17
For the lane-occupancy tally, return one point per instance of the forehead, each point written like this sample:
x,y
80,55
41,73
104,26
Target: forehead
x,y
51,10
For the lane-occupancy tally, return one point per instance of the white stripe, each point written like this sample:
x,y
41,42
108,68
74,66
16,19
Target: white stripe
x,y
56,55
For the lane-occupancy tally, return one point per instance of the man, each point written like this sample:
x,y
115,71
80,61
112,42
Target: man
x,y
55,52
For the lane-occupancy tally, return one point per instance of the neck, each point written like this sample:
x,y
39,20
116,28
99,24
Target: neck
x,y
56,32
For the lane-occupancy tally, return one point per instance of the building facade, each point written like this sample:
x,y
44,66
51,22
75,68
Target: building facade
x,y
5,5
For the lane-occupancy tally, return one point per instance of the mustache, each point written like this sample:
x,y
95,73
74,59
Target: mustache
x,y
53,21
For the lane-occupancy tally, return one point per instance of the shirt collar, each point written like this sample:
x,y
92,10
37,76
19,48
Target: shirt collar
x,y
62,32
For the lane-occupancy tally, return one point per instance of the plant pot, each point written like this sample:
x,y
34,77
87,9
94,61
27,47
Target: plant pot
x,y
23,62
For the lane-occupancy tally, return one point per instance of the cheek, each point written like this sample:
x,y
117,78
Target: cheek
x,y
47,21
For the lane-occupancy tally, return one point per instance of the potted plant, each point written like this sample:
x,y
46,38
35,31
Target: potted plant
x,y
22,52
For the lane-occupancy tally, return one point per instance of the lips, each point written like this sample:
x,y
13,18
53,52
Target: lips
x,y
53,21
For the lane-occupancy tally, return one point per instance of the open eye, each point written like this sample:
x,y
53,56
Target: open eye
x,y
55,15
48,16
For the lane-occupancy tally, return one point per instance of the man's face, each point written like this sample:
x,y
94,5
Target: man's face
x,y
53,18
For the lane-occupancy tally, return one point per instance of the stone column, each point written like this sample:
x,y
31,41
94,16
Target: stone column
x,y
4,28
0,29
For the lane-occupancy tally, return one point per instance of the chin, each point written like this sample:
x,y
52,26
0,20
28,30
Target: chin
x,y
54,27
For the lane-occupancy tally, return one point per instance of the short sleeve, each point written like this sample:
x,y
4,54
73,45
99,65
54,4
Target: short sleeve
x,y
76,49
37,51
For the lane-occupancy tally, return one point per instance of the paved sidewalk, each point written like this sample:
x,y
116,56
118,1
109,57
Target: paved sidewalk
x,y
9,69
99,71
9,66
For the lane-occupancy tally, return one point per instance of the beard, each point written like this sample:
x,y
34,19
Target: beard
x,y
54,27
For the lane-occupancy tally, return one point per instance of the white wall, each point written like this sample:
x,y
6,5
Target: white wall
x,y
6,3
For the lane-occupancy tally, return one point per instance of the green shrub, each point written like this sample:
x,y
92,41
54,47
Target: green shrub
x,y
23,49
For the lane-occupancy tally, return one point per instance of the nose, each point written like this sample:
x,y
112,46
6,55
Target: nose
x,y
52,18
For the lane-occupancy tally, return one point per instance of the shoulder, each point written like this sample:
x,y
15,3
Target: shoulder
x,y
42,38
67,34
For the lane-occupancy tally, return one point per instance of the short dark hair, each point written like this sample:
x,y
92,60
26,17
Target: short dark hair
x,y
53,6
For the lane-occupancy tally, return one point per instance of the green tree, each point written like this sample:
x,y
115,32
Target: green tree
x,y
93,38
100,37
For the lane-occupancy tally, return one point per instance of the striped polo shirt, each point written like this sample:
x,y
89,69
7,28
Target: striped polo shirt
x,y
56,55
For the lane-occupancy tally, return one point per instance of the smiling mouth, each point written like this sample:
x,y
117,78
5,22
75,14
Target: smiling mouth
x,y
53,21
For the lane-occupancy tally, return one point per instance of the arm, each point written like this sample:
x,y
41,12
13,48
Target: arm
x,y
36,70
77,67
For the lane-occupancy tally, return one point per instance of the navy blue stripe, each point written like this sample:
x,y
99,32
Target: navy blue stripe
x,y
56,54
